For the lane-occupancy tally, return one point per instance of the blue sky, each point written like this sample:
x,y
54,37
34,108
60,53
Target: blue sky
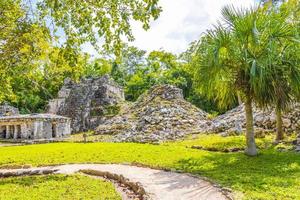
x,y
181,22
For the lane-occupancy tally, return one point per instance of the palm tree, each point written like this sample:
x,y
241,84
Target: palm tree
x,y
232,59
282,54
287,80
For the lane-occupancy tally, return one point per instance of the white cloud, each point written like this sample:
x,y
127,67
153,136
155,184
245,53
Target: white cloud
x,y
181,22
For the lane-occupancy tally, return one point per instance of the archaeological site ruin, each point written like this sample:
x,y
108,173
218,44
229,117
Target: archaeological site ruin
x,y
158,115
31,126
87,102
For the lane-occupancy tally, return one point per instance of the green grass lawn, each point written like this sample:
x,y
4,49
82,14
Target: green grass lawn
x,y
221,143
57,187
271,175
91,137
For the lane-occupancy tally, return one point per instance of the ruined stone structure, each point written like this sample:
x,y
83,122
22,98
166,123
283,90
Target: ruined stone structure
x,y
158,115
234,121
263,120
6,110
86,102
34,126
162,114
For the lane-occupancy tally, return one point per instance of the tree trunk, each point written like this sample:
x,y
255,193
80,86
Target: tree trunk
x,y
250,140
279,129
239,99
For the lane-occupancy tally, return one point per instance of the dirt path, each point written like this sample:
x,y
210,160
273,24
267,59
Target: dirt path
x,y
159,184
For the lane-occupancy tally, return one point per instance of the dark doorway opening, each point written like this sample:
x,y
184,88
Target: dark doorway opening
x,y
19,135
54,130
3,132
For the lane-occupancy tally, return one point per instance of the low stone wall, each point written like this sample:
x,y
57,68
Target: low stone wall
x,y
25,172
136,187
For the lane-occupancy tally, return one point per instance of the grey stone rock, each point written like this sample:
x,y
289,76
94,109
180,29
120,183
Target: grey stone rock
x,y
86,102
158,115
7,110
264,120
286,122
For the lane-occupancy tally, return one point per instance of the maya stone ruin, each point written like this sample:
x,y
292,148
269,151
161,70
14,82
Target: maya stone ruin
x,y
88,102
159,114
31,126
264,120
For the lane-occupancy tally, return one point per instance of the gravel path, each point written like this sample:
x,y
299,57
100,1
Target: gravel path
x,y
159,184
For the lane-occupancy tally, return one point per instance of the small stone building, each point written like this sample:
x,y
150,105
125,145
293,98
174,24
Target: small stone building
x,y
86,102
34,126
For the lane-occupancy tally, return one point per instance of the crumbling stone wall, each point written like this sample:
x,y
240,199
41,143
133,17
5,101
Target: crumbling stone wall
x,y
264,120
86,102
7,110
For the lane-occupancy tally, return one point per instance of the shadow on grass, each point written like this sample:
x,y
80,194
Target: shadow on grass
x,y
271,175
28,181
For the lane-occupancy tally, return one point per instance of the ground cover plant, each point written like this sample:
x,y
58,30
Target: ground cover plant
x,y
271,175
64,187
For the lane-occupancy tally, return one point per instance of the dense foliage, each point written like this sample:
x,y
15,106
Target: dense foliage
x,y
32,67
40,42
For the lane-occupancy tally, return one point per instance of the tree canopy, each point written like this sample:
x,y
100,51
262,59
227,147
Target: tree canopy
x,y
40,42
89,21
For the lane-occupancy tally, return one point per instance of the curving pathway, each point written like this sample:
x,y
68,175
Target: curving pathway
x,y
159,184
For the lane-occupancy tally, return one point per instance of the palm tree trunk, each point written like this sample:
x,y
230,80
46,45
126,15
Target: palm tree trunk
x,y
239,99
250,140
279,129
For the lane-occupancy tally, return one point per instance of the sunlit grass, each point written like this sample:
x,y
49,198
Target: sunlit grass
x,y
271,175
221,143
90,137
59,187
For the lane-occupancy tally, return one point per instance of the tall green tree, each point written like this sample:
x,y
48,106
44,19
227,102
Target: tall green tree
x,y
32,67
232,59
23,43
282,53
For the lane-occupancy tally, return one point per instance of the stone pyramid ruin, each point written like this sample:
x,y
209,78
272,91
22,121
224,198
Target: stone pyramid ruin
x,y
159,114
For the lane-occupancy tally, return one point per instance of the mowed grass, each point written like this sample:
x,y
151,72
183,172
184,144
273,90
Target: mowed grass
x,y
271,175
220,143
59,187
